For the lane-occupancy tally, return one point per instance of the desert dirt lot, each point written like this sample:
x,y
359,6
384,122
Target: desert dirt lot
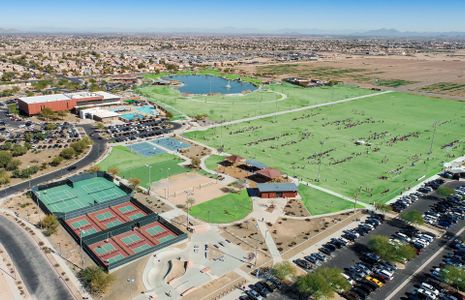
x,y
203,188
368,71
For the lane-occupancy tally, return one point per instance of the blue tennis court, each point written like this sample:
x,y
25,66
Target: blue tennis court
x,y
171,144
145,149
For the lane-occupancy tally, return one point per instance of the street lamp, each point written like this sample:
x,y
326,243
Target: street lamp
x,y
149,167
80,244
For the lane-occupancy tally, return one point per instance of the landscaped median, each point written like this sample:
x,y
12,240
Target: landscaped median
x,y
225,209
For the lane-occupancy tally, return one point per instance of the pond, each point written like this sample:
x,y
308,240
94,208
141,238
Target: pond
x,y
208,84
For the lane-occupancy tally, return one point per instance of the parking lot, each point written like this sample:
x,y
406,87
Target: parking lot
x,y
140,129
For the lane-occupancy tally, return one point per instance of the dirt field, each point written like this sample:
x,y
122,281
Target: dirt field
x,y
368,71
203,188
154,204
288,233
194,151
295,208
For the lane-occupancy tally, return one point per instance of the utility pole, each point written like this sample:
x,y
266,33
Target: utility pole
x,y
149,167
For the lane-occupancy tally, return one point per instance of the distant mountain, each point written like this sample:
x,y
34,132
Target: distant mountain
x,y
390,32
8,30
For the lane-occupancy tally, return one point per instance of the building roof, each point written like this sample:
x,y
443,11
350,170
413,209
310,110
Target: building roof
x,y
270,173
100,113
276,187
67,96
255,163
234,159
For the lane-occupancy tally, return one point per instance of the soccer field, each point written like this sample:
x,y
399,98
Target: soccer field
x,y
398,128
268,99
226,209
133,165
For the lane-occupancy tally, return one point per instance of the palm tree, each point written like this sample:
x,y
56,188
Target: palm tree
x,y
189,201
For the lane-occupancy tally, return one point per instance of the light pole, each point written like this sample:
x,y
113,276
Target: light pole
x,y
80,245
131,282
149,167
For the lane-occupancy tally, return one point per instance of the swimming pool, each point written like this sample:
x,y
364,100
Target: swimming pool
x,y
131,116
147,109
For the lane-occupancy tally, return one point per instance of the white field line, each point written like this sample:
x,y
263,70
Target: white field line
x,y
283,112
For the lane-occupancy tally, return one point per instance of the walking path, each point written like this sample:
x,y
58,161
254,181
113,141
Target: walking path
x,y
283,112
275,255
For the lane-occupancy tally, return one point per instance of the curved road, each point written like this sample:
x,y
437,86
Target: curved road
x,y
98,148
41,280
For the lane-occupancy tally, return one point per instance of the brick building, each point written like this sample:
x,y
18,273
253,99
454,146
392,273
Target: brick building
x,y
66,102
277,190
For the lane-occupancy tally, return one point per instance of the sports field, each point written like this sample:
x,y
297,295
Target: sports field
x,y
397,127
212,161
133,165
225,209
318,203
268,99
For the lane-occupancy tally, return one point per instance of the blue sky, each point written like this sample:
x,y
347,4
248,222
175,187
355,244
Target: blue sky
x,y
263,15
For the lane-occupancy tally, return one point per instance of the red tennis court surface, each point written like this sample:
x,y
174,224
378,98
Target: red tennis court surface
x,y
131,242
105,218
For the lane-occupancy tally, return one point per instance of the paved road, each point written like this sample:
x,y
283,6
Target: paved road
x,y
40,279
98,148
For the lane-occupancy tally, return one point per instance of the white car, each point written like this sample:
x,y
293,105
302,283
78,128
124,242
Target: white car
x,y
430,288
428,294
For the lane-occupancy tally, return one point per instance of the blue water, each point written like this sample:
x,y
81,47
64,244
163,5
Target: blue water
x,y
147,109
131,116
207,84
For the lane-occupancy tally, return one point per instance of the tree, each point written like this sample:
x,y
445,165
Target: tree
x,y
382,207
195,162
445,191
413,216
13,164
95,280
49,224
56,161
454,276
392,252
134,181
4,177
5,158
68,153
113,171
18,150
322,283
94,169
284,270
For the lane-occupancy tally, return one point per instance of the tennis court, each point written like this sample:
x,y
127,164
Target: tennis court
x,y
136,216
166,238
127,208
141,248
104,216
113,223
155,230
80,223
114,259
171,144
145,149
105,249
69,197
131,239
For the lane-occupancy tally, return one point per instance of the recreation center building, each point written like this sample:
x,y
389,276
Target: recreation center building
x,y
66,102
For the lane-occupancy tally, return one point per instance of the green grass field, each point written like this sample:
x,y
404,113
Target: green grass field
x,y
318,203
133,165
226,209
212,161
398,126
269,99
393,82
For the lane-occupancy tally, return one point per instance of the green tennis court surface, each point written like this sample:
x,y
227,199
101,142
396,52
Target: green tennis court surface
x,y
65,198
131,239
113,223
115,258
141,248
104,249
104,216
136,216
80,223
88,232
127,208
166,238
155,230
